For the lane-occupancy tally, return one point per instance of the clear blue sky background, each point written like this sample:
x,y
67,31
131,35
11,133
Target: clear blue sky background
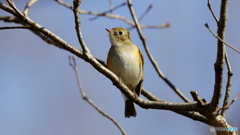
x,y
38,89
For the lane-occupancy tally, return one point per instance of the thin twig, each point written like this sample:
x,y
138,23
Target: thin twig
x,y
227,106
123,4
12,5
13,19
111,6
76,4
72,63
155,65
182,107
143,15
210,8
15,27
218,65
64,45
230,73
113,16
216,36
28,5
166,25
228,86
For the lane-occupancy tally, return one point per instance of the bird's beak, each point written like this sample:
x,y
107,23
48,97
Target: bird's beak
x,y
107,30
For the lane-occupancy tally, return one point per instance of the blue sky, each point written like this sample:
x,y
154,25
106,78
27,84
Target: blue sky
x,y
38,89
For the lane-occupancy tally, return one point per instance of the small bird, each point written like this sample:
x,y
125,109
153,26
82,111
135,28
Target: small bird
x,y
126,61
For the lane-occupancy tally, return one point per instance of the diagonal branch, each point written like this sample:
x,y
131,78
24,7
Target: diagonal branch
x,y
12,5
111,10
99,67
155,65
190,114
143,15
73,64
201,102
230,73
210,8
221,39
228,105
113,16
28,5
228,86
76,4
111,6
48,40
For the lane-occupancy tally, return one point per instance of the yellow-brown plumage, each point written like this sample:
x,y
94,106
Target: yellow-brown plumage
x,y
126,61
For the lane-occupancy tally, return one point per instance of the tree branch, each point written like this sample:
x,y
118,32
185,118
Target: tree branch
x,y
111,9
76,4
228,86
73,64
28,5
221,39
218,66
41,35
111,6
187,109
154,63
228,105
213,14
113,16
190,114
12,5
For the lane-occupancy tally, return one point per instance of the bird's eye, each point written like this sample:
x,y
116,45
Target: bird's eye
x,y
120,33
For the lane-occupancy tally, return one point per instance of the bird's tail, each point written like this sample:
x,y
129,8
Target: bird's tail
x,y
130,109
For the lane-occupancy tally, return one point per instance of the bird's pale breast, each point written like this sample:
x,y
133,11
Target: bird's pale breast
x,y
124,61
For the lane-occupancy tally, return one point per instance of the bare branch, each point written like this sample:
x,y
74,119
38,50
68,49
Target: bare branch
x,y
190,114
144,14
228,85
40,29
28,5
227,106
230,74
123,4
76,4
187,109
111,6
12,5
218,66
13,19
15,27
10,19
72,63
90,59
113,16
210,8
155,65
222,39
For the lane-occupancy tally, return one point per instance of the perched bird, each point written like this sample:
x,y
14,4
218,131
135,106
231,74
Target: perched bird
x,y
126,61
